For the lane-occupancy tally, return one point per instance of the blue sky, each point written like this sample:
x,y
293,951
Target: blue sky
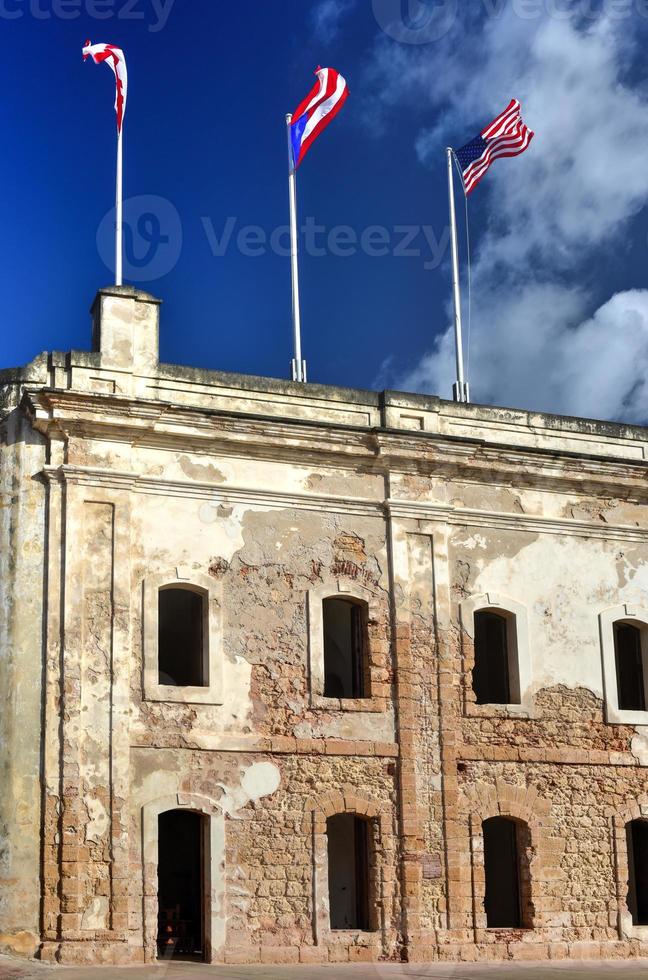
x,y
560,316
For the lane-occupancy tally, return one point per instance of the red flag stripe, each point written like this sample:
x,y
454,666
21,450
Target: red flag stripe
x,y
321,91
495,128
317,111
114,57
508,146
321,126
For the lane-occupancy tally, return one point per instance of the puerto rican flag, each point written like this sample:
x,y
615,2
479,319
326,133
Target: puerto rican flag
x,y
319,108
115,59
505,136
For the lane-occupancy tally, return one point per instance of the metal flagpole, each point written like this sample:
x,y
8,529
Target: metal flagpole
x,y
298,365
460,387
119,210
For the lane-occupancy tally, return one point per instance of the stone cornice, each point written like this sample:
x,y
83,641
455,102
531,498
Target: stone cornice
x,y
420,511
217,494
140,422
162,425
470,517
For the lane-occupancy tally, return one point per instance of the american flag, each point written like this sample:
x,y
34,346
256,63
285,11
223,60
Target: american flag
x,y
506,136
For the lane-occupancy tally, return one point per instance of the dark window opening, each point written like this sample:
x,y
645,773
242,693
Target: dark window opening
x,y
637,841
344,648
181,650
502,869
348,871
629,667
491,676
181,891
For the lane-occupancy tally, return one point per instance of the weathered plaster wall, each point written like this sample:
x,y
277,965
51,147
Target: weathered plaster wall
x,y
579,884
578,878
564,581
265,560
267,803
566,559
22,545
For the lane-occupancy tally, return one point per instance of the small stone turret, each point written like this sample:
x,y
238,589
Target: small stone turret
x,y
126,329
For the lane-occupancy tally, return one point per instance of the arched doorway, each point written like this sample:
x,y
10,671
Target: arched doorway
x,y
182,850
349,871
507,875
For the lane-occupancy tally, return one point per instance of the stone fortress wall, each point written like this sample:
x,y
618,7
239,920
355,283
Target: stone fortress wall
x,y
121,477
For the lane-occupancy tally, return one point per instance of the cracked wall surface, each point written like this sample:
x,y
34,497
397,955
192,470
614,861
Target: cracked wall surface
x,y
22,533
118,472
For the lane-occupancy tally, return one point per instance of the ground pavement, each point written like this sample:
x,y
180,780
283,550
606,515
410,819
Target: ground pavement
x,y
11,969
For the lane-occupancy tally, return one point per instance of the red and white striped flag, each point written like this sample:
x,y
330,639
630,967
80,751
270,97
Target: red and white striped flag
x,y
116,60
317,111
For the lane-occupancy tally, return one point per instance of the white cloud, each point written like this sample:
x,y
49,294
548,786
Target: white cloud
x,y
327,17
538,339
528,355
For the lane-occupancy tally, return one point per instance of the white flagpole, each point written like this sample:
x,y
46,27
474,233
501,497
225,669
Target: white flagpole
x,y
460,387
119,210
298,365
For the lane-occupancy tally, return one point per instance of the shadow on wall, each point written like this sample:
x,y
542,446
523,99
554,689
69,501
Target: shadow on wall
x,y
16,430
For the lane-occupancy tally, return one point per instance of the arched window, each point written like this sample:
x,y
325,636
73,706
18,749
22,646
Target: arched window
x,y
349,871
507,898
637,841
182,632
345,647
496,677
629,658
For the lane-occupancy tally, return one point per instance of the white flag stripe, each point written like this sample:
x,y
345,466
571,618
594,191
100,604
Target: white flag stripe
x,y
512,139
326,106
481,166
323,78
516,142
316,111
114,57
506,125
504,143
495,128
